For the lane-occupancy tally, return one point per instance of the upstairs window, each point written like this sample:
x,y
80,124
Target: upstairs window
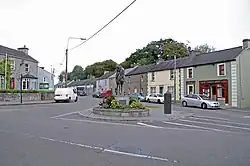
x,y
153,76
171,74
221,69
190,72
12,64
27,67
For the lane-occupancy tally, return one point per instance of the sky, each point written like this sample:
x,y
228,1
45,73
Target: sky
x,y
44,27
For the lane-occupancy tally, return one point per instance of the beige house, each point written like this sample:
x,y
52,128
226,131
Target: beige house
x,y
161,79
112,81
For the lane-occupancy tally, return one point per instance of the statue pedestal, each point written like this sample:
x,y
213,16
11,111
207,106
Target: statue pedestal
x,y
124,100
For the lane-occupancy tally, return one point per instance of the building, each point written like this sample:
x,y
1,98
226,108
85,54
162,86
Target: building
x,y
45,79
222,75
102,83
87,85
162,77
21,64
138,80
112,80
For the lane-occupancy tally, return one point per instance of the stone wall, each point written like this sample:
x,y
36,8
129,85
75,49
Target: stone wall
x,y
26,96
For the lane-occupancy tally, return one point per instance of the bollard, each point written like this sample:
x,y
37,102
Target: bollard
x,y
167,103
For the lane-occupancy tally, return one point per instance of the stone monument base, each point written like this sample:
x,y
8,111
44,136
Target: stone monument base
x,y
123,100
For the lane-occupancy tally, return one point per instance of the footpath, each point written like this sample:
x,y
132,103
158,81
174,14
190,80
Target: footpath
x,y
13,103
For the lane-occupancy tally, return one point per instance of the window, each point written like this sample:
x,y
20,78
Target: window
x,y
27,67
26,84
141,78
153,76
12,64
44,79
190,89
190,73
220,92
2,82
171,74
152,89
221,69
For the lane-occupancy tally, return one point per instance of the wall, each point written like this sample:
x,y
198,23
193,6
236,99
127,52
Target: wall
x,y
102,84
243,80
137,82
49,78
208,72
26,96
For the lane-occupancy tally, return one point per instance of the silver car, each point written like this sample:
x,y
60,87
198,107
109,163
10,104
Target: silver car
x,y
197,100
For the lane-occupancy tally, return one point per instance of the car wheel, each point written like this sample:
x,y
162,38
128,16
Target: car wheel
x,y
69,100
203,105
148,100
159,101
184,104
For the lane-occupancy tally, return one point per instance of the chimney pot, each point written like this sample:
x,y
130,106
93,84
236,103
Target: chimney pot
x,y
246,43
24,49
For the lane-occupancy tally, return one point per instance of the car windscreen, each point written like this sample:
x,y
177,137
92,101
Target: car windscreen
x,y
159,95
204,97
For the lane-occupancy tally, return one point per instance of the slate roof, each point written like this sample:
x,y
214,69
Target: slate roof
x,y
83,82
140,70
106,75
16,54
200,59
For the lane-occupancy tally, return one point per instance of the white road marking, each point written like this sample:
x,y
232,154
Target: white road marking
x,y
213,120
186,125
106,150
69,113
207,123
211,117
147,125
246,116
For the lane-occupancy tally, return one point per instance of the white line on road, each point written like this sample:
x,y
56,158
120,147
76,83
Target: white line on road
x,y
194,126
246,116
207,123
147,125
211,117
69,113
107,150
213,120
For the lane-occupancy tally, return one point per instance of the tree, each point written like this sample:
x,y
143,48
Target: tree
x,y
204,48
77,73
8,71
163,49
97,69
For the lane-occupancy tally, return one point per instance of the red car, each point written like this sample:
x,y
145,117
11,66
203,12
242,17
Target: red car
x,y
106,93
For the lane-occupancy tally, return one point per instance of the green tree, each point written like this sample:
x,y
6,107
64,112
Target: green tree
x,y
204,48
97,69
77,73
8,72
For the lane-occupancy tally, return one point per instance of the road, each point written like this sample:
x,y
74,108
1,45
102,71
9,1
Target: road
x,y
55,134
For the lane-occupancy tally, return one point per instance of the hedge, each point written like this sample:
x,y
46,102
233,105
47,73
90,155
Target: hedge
x,y
24,91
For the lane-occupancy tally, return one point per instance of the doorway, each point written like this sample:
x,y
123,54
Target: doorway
x,y
190,89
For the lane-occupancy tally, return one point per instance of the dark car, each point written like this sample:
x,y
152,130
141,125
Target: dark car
x,y
137,96
96,95
82,93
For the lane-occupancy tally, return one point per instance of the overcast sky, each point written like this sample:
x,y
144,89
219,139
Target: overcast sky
x,y
44,26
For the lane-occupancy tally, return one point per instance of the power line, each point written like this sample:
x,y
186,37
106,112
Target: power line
x,y
104,25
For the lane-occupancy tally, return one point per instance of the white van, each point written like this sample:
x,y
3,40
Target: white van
x,y
65,94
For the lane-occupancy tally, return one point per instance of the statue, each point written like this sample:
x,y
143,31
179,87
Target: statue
x,y
120,78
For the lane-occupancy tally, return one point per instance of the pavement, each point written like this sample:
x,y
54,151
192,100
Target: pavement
x,y
55,134
11,103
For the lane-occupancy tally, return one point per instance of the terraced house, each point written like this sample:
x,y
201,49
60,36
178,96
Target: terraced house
x,y
222,75
138,80
162,77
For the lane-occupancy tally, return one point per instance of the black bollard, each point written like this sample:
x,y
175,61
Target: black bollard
x,y
167,103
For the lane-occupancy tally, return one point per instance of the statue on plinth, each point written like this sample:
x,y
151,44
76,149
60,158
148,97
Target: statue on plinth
x,y
120,78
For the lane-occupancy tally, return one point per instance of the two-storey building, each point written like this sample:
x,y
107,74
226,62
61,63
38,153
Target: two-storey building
x,y
21,64
45,79
138,79
222,75
102,83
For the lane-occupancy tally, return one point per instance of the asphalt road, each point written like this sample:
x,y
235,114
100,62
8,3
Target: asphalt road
x,y
54,134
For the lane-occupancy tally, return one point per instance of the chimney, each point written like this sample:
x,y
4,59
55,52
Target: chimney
x,y
24,49
246,44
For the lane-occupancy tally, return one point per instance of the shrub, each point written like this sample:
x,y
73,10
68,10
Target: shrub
x,y
136,104
115,104
108,100
131,101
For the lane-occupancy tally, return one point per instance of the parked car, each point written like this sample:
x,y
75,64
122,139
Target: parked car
x,y
198,100
65,94
96,95
137,96
106,93
156,98
82,93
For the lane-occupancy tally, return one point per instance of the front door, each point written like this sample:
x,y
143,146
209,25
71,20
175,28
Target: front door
x,y
161,89
190,89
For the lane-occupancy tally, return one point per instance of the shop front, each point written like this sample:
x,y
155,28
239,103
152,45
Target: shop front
x,y
215,89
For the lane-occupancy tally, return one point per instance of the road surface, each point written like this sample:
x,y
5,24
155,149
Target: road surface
x,y
55,134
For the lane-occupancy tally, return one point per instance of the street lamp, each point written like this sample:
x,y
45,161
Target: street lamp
x,y
66,70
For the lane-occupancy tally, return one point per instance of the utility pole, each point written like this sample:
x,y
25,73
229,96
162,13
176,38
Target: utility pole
x,y
5,70
66,69
175,79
